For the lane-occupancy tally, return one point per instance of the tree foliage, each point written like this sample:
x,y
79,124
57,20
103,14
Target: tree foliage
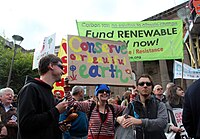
x,y
22,66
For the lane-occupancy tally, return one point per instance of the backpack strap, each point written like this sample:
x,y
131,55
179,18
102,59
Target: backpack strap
x,y
92,106
133,109
113,111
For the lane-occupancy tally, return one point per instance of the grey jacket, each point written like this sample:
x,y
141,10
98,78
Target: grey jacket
x,y
154,117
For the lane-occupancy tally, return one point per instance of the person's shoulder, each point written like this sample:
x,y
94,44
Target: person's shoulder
x,y
157,101
195,85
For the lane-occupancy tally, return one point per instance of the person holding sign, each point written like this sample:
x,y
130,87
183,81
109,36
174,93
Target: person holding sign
x,y
38,113
100,114
174,106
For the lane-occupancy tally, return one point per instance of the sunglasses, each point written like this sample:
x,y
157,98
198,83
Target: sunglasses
x,y
158,89
60,66
102,91
147,83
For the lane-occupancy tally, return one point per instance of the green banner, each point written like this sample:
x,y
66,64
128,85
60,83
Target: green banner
x,y
146,40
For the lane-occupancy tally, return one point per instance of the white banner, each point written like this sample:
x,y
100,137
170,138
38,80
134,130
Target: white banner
x,y
188,72
48,47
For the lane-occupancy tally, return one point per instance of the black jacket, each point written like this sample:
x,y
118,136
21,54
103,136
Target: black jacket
x,y
191,110
37,116
5,117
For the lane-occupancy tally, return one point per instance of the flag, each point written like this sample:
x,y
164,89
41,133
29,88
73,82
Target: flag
x,y
48,47
62,54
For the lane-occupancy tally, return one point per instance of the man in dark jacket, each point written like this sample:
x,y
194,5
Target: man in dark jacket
x,y
38,114
146,113
191,110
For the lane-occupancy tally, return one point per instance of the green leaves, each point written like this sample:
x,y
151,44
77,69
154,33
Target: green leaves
x,y
22,66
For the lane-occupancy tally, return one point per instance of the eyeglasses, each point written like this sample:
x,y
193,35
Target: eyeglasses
x,y
102,91
158,89
60,66
147,83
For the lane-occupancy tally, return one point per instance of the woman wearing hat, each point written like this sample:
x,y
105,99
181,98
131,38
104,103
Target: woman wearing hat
x,y
100,114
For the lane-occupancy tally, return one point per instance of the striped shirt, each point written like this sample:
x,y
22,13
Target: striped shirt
x,y
96,126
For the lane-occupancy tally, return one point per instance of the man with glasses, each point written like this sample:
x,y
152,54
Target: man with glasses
x,y
158,92
146,113
38,113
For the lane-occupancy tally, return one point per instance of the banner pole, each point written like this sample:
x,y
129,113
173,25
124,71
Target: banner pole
x,y
182,74
77,27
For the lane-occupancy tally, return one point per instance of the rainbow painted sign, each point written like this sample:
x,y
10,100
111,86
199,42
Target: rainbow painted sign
x,y
96,61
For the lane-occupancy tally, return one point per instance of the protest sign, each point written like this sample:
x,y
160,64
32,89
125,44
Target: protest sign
x,y
178,112
146,40
95,61
48,47
188,72
62,54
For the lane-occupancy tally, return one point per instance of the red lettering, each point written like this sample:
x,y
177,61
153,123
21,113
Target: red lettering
x,y
95,60
84,46
83,57
111,47
64,46
61,83
61,92
64,59
72,57
65,69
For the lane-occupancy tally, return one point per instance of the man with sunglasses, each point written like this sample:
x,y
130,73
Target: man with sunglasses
x,y
146,113
38,113
158,92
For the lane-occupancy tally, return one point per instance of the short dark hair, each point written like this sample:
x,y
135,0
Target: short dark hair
x,y
45,61
145,76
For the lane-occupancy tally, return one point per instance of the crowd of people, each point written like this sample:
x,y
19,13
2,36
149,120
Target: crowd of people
x,y
147,108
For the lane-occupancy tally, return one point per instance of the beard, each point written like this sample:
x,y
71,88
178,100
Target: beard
x,y
145,95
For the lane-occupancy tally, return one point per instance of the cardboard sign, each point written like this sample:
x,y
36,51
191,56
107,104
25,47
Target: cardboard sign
x,y
95,61
178,117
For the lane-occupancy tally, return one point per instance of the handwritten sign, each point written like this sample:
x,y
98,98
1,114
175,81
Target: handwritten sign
x,y
48,47
178,117
95,61
62,54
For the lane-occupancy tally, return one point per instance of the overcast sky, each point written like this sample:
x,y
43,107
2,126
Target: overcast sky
x,y
36,19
